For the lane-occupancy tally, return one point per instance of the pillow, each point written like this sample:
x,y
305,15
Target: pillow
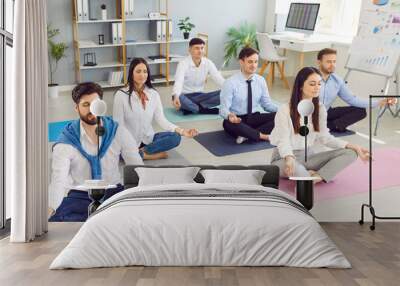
x,y
248,177
166,176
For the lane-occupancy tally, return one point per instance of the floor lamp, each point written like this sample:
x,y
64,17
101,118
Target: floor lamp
x,y
304,185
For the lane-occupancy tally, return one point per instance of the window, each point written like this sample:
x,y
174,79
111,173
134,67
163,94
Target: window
x,y
339,17
6,44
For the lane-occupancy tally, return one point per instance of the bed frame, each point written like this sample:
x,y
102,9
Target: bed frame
x,y
270,179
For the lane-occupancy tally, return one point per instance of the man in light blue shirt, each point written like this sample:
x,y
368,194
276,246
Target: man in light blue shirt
x,y
332,86
241,94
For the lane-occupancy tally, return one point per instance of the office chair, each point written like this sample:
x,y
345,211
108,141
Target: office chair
x,y
270,56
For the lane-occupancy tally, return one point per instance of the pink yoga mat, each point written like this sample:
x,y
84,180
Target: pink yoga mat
x,y
354,179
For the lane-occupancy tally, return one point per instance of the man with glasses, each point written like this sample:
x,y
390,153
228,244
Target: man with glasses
x,y
75,157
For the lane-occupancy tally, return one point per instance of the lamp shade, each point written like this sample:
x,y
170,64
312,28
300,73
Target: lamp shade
x,y
305,107
98,107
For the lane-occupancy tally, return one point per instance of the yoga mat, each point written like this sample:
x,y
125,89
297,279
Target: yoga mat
x,y
177,116
354,179
55,129
345,133
219,143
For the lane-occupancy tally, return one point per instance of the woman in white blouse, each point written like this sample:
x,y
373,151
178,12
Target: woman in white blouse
x,y
136,107
289,154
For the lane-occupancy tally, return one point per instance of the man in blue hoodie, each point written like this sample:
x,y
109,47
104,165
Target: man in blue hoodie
x,y
75,157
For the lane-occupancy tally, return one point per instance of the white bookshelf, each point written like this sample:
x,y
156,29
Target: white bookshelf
x,y
120,63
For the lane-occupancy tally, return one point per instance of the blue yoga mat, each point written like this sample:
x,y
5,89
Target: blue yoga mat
x,y
55,129
177,116
219,143
345,133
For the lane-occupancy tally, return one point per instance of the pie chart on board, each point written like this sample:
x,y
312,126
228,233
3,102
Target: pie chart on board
x,y
380,2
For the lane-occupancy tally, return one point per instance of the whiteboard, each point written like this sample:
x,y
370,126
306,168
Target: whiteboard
x,y
376,48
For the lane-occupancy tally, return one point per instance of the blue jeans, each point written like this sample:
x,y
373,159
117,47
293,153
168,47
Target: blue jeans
x,y
193,101
74,207
162,141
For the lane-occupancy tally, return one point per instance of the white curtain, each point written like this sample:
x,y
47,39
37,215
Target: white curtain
x,y
26,118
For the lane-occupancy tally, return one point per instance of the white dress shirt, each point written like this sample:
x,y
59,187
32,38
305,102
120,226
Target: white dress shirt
x,y
70,168
287,141
137,120
189,78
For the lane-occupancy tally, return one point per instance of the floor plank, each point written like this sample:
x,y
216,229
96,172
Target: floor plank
x,y
375,257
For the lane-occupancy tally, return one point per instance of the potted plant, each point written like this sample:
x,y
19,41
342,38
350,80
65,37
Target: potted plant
x,y
56,53
243,36
185,26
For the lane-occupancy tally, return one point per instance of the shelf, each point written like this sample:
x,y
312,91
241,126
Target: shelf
x,y
91,45
146,19
150,42
102,65
174,60
105,84
99,21
163,80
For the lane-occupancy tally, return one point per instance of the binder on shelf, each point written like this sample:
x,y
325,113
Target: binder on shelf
x,y
131,7
119,33
155,31
163,30
115,77
170,29
85,10
126,8
114,33
79,10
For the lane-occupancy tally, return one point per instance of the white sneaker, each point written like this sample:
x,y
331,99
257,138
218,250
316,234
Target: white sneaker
x,y
240,139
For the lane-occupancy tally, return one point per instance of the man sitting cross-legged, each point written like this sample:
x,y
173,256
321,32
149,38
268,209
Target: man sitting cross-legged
x,y
75,157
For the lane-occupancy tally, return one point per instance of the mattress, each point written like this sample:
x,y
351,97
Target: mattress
x,y
201,225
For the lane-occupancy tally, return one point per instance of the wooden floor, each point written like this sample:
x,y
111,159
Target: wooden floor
x,y
375,257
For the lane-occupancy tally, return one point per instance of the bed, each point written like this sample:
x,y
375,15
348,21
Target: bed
x,y
201,224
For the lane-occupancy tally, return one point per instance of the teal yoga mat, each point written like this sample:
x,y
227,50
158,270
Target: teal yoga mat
x,y
55,128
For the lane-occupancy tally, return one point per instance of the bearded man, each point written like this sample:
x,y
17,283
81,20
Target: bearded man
x,y
75,158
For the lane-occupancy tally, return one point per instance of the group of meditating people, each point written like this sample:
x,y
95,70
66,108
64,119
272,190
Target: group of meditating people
x,y
129,134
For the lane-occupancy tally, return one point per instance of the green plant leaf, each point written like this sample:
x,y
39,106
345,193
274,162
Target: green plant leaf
x,y
243,36
56,50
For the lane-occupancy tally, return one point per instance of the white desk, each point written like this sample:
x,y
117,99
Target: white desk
x,y
313,43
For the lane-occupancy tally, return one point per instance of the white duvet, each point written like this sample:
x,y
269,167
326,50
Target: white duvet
x,y
200,231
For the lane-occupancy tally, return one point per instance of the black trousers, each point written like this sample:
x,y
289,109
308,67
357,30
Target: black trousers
x,y
251,125
339,118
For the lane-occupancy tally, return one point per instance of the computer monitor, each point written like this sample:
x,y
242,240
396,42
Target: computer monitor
x,y
302,17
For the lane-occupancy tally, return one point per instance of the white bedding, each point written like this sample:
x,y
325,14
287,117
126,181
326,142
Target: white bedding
x,y
185,231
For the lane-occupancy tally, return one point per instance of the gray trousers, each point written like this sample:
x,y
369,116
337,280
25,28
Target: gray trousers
x,y
327,164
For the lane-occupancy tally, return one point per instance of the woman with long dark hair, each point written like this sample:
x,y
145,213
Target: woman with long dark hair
x,y
289,154
136,107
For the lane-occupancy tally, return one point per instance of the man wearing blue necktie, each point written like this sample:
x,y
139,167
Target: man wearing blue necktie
x,y
241,94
